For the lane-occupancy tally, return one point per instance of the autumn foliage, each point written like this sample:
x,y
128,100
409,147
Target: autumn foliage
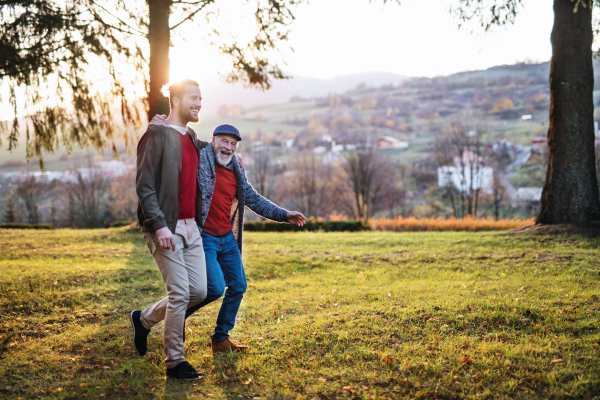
x,y
471,224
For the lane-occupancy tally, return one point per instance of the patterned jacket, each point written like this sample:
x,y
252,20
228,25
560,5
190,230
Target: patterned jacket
x,y
246,195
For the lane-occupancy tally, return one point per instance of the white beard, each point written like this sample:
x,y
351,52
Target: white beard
x,y
223,162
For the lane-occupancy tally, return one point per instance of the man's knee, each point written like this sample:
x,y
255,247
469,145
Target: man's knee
x,y
180,297
197,294
216,290
238,287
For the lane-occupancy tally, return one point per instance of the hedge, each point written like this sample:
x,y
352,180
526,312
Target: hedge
x,y
312,226
25,226
119,224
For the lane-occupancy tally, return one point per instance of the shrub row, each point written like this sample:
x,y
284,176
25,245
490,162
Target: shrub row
x,y
119,224
325,226
471,224
25,226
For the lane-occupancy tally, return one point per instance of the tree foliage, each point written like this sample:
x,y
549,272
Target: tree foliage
x,y
77,70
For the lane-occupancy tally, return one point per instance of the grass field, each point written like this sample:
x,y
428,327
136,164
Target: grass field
x,y
369,315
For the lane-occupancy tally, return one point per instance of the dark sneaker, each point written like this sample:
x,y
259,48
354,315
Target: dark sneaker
x,y
140,334
184,371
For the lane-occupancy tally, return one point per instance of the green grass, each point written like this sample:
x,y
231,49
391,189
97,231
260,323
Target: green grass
x,y
367,315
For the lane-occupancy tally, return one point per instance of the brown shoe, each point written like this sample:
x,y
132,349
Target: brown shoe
x,y
226,345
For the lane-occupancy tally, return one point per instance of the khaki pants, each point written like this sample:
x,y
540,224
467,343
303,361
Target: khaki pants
x,y
184,274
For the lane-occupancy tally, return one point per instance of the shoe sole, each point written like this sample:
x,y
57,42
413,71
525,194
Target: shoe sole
x,y
133,337
187,379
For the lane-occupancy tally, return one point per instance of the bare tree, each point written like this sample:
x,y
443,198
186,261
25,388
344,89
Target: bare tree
x,y
370,176
260,171
459,149
307,185
86,196
122,198
29,193
393,200
498,193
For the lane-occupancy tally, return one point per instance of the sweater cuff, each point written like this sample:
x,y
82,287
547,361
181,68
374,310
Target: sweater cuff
x,y
284,214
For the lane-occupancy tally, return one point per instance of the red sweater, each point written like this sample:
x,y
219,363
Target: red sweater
x,y
187,178
218,221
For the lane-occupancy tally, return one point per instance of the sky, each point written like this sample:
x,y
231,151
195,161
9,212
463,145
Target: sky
x,y
341,37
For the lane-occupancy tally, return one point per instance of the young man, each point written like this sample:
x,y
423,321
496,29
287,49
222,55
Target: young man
x,y
169,210
225,193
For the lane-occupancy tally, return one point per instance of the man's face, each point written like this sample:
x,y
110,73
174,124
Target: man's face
x,y
188,107
224,146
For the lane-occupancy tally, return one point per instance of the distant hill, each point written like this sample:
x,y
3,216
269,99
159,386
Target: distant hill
x,y
219,93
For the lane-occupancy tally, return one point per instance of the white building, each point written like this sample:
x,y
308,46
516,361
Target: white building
x,y
390,143
461,177
529,194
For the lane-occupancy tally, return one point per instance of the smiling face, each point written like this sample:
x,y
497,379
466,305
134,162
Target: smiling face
x,y
224,146
189,105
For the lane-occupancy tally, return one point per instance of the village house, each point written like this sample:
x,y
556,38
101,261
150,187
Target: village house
x,y
389,143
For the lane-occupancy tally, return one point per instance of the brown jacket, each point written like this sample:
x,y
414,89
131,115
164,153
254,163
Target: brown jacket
x,y
157,179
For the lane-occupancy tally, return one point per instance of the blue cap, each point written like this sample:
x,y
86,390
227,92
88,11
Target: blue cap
x,y
227,129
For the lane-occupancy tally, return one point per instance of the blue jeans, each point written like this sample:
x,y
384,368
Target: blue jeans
x,y
223,268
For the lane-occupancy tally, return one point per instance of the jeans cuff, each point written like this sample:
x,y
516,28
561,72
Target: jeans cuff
x,y
220,338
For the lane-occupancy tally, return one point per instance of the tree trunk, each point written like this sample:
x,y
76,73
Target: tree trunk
x,y
570,192
159,38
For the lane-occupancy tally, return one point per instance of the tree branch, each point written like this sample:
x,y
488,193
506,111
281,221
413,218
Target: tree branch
x,y
191,15
139,33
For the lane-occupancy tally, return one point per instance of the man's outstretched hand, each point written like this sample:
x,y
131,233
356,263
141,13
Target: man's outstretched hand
x,y
165,238
159,119
296,218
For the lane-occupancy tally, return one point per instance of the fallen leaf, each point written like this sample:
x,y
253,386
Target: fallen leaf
x,y
389,360
225,377
365,387
466,360
556,361
322,380
346,388
249,381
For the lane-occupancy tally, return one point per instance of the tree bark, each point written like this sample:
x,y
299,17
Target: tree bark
x,y
159,38
570,193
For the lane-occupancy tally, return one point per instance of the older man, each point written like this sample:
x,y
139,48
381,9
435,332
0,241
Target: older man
x,y
225,193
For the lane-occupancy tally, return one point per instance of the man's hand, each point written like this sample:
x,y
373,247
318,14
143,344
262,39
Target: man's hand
x,y
165,238
159,119
241,162
296,218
